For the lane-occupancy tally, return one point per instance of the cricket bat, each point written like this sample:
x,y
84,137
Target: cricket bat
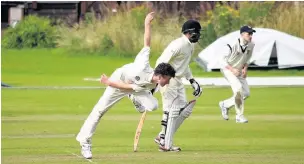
x,y
138,130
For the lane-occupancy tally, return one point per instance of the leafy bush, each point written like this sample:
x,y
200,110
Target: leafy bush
x,y
255,13
208,35
120,34
287,17
31,32
222,20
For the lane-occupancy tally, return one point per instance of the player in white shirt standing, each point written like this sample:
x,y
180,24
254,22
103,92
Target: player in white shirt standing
x,y
134,80
175,106
235,65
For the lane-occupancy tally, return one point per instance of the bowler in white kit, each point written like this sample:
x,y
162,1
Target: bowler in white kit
x,y
134,80
234,68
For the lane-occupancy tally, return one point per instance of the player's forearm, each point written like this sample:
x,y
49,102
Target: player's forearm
x,y
120,85
229,67
188,74
125,86
147,35
245,66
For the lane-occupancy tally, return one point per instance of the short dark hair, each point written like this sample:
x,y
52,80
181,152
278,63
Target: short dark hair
x,y
164,69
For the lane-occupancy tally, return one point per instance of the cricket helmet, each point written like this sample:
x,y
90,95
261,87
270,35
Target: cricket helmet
x,y
193,28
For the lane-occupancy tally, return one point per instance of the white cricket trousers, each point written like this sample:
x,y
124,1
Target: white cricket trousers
x,y
174,99
238,85
108,99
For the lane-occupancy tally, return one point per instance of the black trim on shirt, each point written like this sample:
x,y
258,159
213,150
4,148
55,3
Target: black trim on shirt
x,y
229,48
243,50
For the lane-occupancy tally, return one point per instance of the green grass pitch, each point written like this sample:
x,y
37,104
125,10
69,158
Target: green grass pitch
x,y
42,67
39,126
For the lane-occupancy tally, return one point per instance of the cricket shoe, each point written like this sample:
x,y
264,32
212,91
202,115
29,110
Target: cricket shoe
x,y
157,140
86,151
224,110
137,105
240,119
172,149
163,149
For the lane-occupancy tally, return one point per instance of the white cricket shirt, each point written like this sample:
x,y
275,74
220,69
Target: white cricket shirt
x,y
178,54
139,72
239,54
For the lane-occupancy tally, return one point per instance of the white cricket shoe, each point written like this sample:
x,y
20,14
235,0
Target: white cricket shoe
x,y
224,110
172,149
240,119
157,140
86,151
137,105
163,149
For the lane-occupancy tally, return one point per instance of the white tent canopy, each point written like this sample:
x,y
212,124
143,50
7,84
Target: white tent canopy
x,y
288,50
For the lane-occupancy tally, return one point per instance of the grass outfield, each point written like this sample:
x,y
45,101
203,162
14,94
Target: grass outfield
x,y
39,126
55,68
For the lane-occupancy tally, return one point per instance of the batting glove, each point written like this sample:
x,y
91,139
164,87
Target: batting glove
x,y
197,89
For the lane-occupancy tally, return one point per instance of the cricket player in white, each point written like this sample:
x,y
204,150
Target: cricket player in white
x,y
135,79
234,68
175,106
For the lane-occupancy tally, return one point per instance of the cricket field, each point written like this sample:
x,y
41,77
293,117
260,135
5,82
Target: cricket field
x,y
39,125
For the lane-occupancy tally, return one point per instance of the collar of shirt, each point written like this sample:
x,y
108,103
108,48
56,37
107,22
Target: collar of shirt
x,y
185,37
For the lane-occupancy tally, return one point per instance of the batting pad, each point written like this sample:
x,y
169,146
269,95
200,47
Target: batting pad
x,y
176,118
184,113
